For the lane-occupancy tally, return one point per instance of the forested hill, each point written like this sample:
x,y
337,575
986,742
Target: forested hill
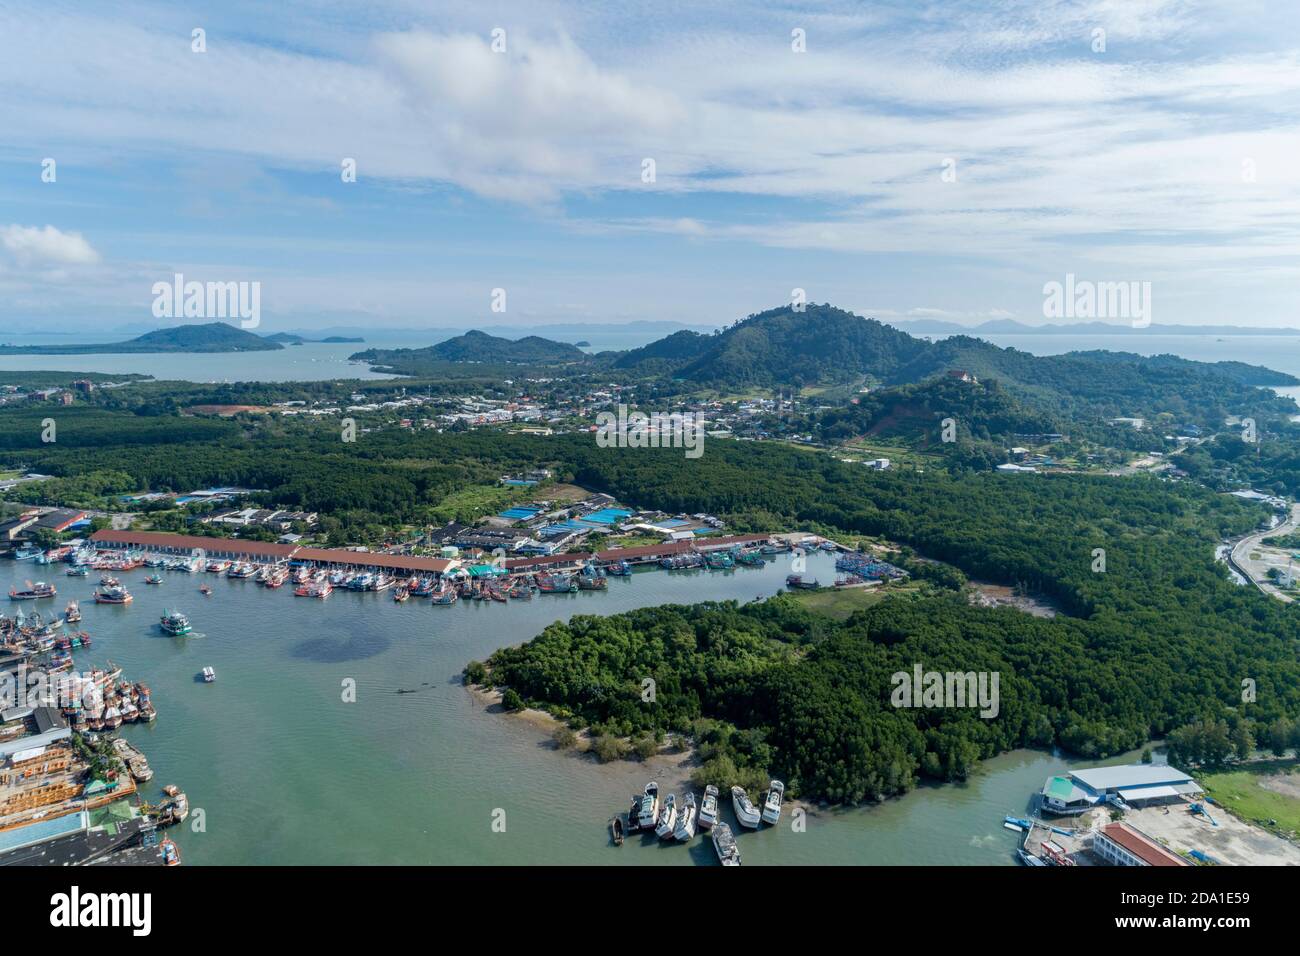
x,y
209,337
782,347
824,345
475,346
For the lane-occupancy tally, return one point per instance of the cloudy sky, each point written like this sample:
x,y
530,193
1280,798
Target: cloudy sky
x,y
916,159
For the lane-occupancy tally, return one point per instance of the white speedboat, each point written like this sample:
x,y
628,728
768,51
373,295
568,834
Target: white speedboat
x,y
724,844
209,675
667,818
645,809
685,829
708,815
746,813
772,802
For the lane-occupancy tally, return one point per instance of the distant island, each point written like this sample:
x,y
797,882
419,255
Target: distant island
x,y
476,347
290,338
211,337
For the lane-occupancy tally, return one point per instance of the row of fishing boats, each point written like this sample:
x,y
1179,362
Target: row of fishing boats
x,y
671,821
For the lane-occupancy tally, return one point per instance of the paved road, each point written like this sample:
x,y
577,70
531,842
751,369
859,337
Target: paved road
x,y
1257,571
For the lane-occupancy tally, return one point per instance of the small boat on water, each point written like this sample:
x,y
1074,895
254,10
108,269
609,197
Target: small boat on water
x,y
77,571
645,809
797,581
113,595
205,590
175,623
209,675
724,844
667,818
27,554
153,579
72,613
33,592
772,802
685,829
616,830
171,854
401,594
747,814
708,814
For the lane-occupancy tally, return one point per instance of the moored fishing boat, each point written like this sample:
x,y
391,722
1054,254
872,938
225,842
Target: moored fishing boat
x,y
618,569
217,567
724,844
444,594
171,853
746,813
685,829
113,595
592,578
175,623
667,818
772,802
708,814
555,583
797,581
401,594
33,592
644,813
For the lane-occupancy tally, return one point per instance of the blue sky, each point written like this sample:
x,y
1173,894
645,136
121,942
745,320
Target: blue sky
x,y
1168,157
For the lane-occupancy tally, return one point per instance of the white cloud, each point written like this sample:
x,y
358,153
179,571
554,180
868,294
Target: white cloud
x,y
34,246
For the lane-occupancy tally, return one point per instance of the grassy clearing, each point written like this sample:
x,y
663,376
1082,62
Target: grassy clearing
x,y
838,603
1260,792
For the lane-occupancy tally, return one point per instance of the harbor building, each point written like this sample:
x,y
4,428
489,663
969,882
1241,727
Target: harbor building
x,y
1122,845
1121,787
236,549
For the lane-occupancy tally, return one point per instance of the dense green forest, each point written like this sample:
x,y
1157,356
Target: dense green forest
x,y
1159,639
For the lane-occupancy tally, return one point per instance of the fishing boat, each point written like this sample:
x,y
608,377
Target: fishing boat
x,y
33,592
401,594
216,567
708,814
205,590
27,554
361,582
171,853
153,579
685,829
77,571
276,577
645,809
175,623
592,579
746,813
555,583
113,595
667,818
797,581
444,595
772,802
751,559
616,830
381,582
719,561
423,587
618,569
724,844
495,593
520,590
209,675
241,571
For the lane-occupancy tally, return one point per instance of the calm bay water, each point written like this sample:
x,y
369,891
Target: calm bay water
x,y
312,362
287,773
